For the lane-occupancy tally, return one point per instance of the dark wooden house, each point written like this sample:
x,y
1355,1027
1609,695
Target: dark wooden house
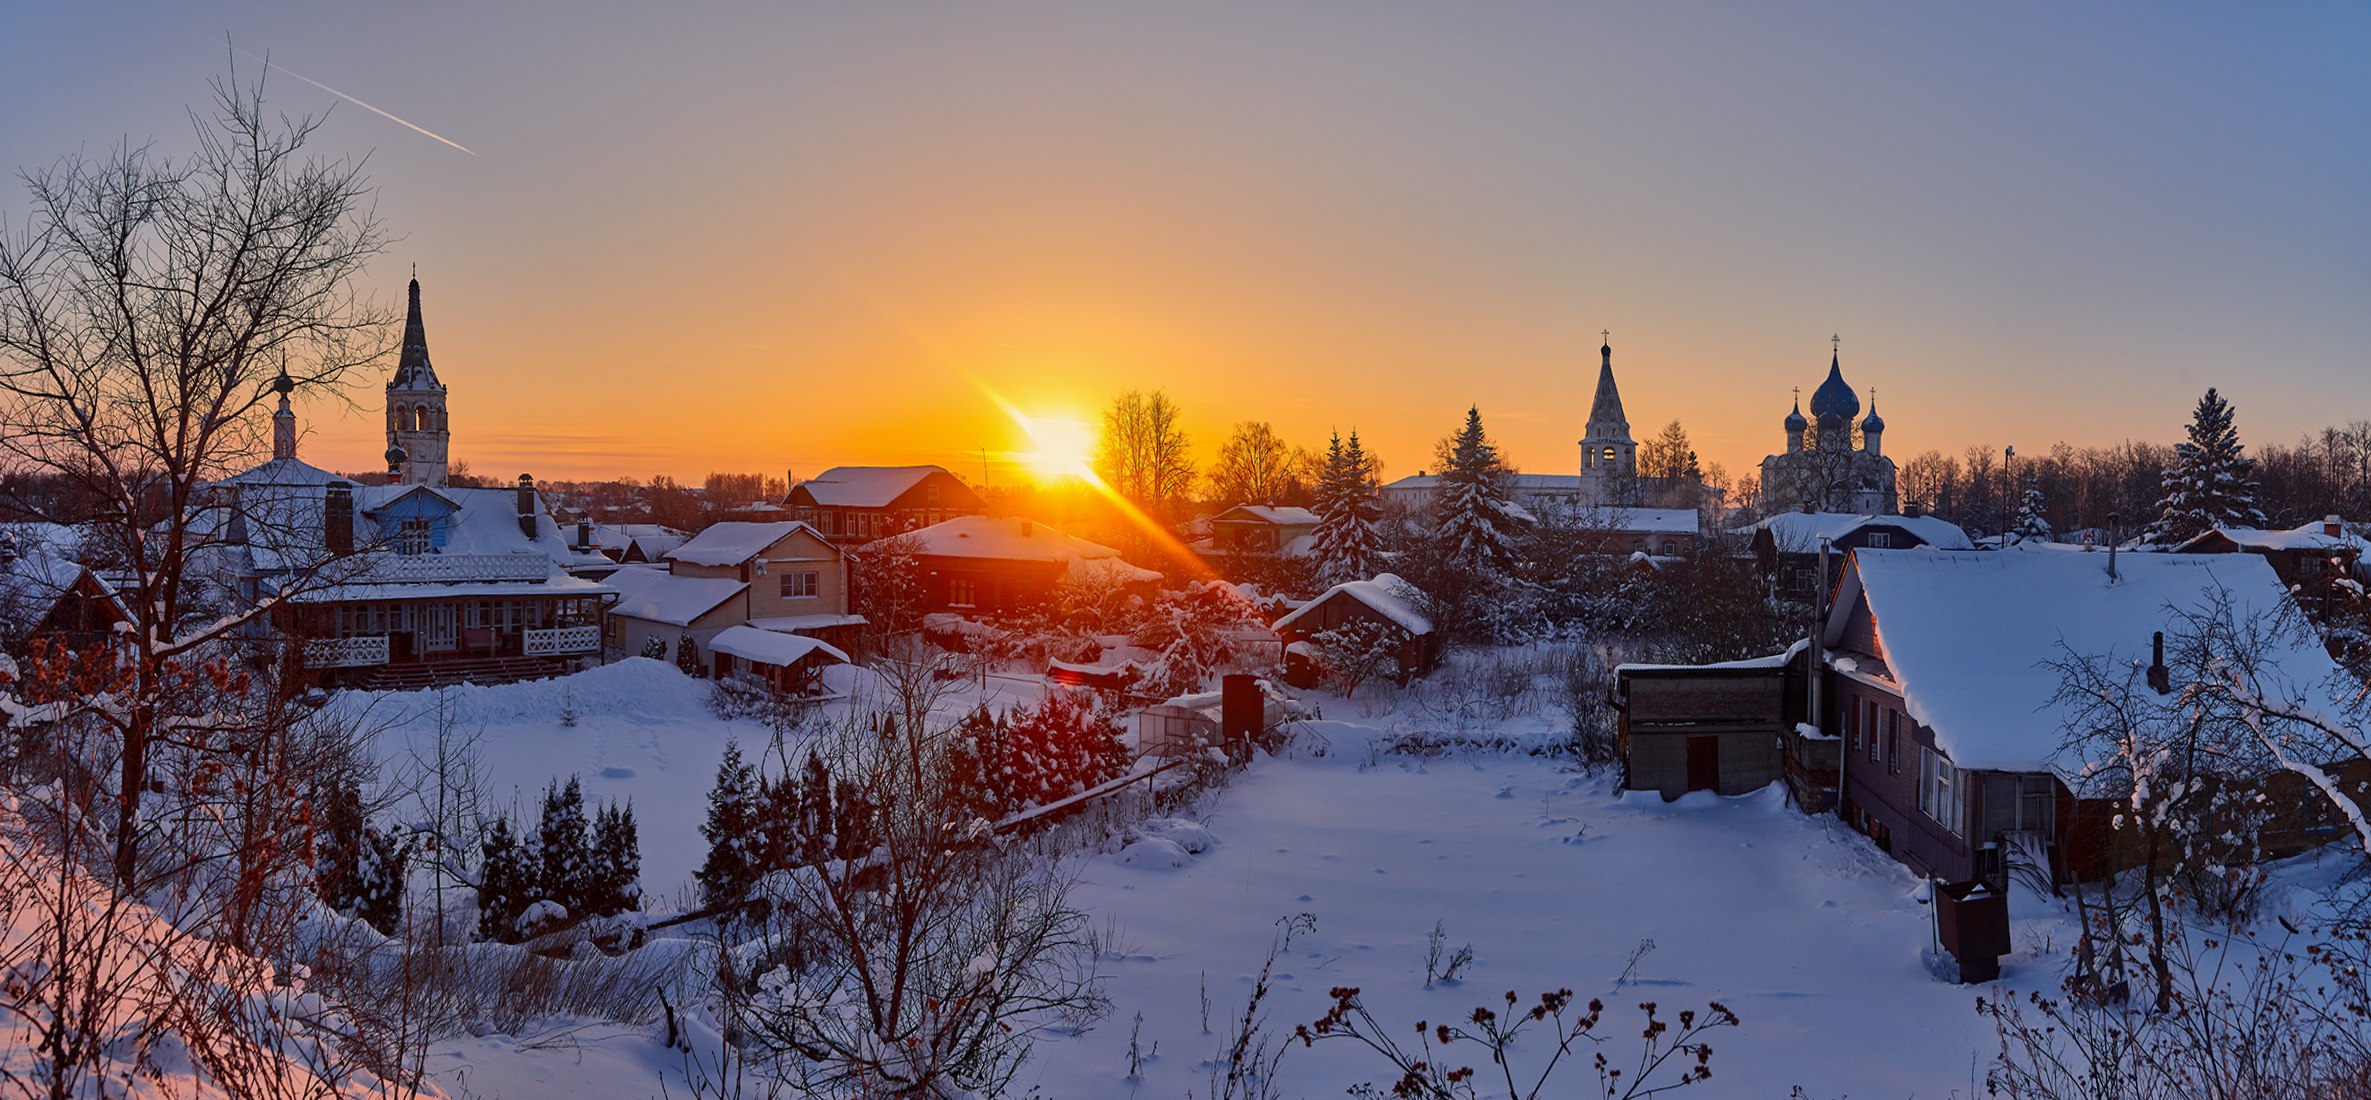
x,y
855,504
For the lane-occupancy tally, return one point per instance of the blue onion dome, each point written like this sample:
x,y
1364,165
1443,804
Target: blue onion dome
x,y
1872,422
1834,397
395,456
1795,421
283,385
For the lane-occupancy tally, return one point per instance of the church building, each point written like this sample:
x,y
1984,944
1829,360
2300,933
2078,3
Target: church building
x,y
1822,470
412,582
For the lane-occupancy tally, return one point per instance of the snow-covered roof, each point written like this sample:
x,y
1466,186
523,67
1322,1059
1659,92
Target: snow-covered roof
x,y
30,536
1281,516
792,624
560,585
734,542
1803,530
655,539
645,592
281,514
2310,536
1647,521
33,582
1968,636
1008,538
767,647
1383,595
865,486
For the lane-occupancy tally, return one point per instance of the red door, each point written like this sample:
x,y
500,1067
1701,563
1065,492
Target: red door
x,y
1704,763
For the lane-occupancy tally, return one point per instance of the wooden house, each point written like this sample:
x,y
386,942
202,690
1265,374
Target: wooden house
x,y
857,504
1384,601
1261,530
788,663
46,596
783,577
1786,546
1005,565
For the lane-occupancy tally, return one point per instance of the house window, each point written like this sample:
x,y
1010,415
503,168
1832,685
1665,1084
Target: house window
x,y
1881,540
1938,790
962,592
1893,742
414,536
798,586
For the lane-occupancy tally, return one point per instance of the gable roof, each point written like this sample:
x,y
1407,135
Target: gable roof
x,y
864,486
1650,521
654,539
734,542
1801,531
1381,595
766,647
2308,536
1968,637
1011,538
659,596
1281,516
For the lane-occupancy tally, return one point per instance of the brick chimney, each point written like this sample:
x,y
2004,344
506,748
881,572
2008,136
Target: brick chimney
x,y
337,518
2333,527
527,506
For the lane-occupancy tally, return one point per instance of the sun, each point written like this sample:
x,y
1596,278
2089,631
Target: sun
x,y
1059,450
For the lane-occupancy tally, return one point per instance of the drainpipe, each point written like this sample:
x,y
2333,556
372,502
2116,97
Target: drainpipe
x,y
1818,670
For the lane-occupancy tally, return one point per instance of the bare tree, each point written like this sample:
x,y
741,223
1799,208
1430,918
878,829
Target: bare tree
x,y
927,966
1256,466
146,304
1143,454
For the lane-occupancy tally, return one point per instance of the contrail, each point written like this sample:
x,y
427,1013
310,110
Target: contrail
x,y
269,63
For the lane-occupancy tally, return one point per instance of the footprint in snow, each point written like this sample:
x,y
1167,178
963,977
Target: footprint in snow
x,y
617,773
1504,792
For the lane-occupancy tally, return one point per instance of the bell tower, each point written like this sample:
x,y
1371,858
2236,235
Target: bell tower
x,y
1609,457
416,423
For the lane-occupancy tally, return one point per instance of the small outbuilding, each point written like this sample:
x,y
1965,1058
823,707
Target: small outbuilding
x,y
1385,600
789,663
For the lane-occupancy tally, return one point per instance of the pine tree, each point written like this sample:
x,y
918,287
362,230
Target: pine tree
x,y
381,874
731,868
1348,546
617,863
506,879
2211,484
337,857
2032,525
655,649
816,816
687,656
1476,519
563,852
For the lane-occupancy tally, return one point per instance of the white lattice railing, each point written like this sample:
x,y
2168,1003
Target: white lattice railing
x,y
357,652
390,568
561,640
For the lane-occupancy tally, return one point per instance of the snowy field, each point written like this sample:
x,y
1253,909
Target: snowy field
x,y
1815,940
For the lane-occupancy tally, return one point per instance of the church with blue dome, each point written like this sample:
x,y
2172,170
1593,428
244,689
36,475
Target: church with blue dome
x,y
1828,466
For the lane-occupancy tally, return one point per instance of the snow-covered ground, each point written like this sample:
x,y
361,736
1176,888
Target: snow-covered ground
x,y
1817,942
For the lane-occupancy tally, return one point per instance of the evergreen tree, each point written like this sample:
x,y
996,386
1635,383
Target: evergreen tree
x,y
1475,515
816,816
506,883
337,857
732,867
2031,525
687,656
1348,545
385,863
2210,484
617,863
655,649
852,829
563,849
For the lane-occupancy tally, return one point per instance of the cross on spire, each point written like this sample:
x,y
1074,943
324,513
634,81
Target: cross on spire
x,y
1798,395
1836,342
1607,333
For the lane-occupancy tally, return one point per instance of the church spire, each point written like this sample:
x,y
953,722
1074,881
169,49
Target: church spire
x,y
1605,411
412,370
283,420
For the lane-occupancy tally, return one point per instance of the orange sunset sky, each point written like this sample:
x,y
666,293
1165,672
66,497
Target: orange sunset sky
x,y
770,237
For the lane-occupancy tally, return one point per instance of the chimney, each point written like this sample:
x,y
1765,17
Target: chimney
x,y
1242,710
1913,509
2113,518
1028,528
527,506
2160,680
584,533
2333,527
337,518
7,549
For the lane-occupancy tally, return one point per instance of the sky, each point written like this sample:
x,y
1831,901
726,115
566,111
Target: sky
x,y
781,237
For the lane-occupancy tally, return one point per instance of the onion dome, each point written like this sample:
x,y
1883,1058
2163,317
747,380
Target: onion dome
x,y
1834,398
1872,422
1795,421
395,457
283,385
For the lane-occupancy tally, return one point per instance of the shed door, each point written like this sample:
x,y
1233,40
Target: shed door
x,y
1704,763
